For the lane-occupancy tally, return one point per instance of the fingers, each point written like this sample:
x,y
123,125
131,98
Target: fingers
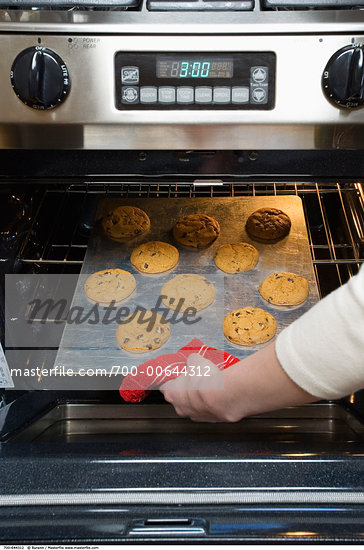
x,y
180,402
193,394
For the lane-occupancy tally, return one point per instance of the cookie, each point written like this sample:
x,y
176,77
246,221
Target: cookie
x,y
236,257
249,325
125,222
284,289
196,231
108,285
142,331
188,290
268,224
154,257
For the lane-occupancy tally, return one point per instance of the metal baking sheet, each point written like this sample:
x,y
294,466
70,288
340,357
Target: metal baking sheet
x,y
90,346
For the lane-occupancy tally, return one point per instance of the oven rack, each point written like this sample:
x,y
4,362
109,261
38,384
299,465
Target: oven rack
x,y
57,237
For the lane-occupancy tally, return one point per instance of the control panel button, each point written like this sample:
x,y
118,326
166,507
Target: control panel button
x,y
259,85
222,94
259,95
148,94
259,74
185,94
240,94
129,94
166,94
203,94
130,75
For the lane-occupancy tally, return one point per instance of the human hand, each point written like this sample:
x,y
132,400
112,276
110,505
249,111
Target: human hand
x,y
254,385
201,398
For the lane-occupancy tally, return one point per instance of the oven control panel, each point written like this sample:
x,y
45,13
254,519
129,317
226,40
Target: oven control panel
x,y
208,81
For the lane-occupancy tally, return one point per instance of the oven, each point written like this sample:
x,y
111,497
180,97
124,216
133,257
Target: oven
x,y
163,100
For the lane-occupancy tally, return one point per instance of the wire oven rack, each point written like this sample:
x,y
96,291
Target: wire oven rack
x,y
57,237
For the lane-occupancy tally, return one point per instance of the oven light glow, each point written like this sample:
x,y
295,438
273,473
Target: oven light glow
x,y
207,182
299,454
301,533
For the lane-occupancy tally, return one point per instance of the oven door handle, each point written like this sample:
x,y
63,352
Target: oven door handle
x,y
168,527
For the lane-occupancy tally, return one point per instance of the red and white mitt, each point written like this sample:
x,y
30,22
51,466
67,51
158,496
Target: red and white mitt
x,y
153,373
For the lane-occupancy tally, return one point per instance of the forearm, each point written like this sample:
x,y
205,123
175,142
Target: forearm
x,y
321,355
255,385
323,351
259,384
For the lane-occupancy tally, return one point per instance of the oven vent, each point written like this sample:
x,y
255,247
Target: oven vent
x,y
311,4
200,5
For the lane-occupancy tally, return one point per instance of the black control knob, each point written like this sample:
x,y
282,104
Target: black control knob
x,y
343,77
40,78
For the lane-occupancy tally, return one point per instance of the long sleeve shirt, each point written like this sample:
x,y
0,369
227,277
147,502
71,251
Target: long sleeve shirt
x,y
323,351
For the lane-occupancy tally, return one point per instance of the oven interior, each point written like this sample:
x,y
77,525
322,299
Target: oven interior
x,y
46,230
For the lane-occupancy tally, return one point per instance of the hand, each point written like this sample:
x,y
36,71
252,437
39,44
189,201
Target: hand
x,y
255,385
202,399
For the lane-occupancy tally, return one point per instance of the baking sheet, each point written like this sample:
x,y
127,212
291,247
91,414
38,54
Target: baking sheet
x,y
90,346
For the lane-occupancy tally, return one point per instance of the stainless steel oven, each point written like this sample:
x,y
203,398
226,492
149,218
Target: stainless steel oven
x,y
168,99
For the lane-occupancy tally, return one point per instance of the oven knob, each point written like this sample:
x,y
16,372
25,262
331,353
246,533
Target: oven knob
x,y
40,78
343,77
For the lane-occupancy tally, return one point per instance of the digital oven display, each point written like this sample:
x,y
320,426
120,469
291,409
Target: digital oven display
x,y
216,81
195,67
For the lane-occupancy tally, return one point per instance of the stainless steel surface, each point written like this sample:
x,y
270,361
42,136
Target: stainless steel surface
x,y
144,22
323,423
89,346
302,117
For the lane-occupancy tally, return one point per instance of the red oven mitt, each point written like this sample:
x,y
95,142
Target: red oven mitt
x,y
136,387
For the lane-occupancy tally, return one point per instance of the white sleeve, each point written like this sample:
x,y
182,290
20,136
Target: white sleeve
x,y
323,351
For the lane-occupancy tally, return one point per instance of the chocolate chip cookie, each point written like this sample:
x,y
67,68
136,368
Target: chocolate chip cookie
x,y
284,289
154,257
268,224
125,222
236,257
196,231
143,331
188,290
109,284
248,326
